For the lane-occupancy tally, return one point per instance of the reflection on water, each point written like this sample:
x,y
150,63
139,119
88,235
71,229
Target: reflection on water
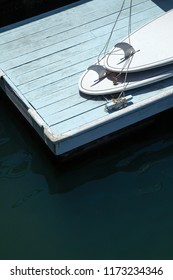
x,y
114,204
15,165
26,197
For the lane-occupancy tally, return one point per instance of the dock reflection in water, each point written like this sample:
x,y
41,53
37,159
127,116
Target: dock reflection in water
x,y
114,204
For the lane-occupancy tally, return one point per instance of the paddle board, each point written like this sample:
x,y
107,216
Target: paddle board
x,y
149,47
98,81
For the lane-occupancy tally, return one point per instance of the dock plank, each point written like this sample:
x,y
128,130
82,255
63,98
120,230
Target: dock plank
x,y
42,60
61,89
53,60
61,16
55,117
56,67
53,77
42,40
78,121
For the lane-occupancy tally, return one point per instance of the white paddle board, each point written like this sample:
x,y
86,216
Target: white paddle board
x,y
149,47
98,81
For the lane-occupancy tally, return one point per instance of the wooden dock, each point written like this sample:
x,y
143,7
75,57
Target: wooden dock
x,y
42,59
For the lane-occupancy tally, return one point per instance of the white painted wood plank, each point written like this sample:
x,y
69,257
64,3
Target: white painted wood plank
x,y
42,39
32,52
62,16
40,72
53,77
69,55
39,23
61,95
88,117
62,105
78,121
53,62
72,121
45,73
51,71
114,122
61,89
68,119
79,109
42,95
139,95
70,23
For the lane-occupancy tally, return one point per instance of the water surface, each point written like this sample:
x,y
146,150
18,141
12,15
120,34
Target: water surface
x,y
114,204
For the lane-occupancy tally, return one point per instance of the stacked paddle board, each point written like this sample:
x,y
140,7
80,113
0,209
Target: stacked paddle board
x,y
144,57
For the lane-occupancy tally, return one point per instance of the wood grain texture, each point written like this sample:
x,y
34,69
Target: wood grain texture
x,y
43,59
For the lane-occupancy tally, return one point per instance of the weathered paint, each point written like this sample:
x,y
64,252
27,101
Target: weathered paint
x,y
42,60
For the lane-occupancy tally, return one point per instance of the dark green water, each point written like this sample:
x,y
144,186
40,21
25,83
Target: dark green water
x,y
114,204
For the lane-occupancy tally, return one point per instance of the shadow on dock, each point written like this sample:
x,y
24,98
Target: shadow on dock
x,y
164,5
